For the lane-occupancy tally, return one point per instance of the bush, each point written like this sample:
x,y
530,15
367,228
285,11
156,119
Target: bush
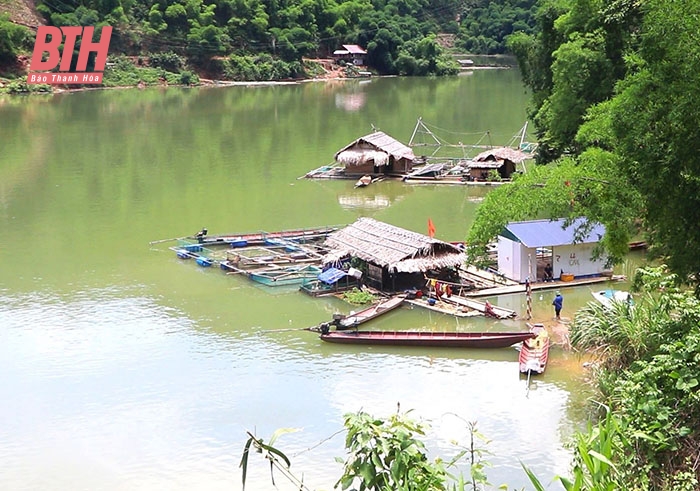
x,y
358,297
259,68
189,78
168,60
22,87
13,39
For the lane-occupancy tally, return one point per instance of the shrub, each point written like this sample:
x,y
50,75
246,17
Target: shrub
x,y
168,60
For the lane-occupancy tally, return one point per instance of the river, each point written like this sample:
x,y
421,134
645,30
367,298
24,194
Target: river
x,y
126,368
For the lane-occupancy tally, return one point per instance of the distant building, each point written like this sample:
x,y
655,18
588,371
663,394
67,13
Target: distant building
x,y
525,248
503,159
351,53
375,154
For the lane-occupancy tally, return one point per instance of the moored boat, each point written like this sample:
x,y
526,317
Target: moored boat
x,y
354,319
363,181
610,296
534,352
445,339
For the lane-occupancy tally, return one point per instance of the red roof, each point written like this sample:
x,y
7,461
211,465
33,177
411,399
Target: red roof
x,y
354,49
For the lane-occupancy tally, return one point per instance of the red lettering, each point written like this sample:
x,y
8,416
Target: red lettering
x,y
71,34
42,45
101,48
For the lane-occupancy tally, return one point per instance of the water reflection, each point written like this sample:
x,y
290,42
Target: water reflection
x,y
351,101
126,368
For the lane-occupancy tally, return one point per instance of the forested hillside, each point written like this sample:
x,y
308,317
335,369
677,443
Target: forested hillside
x,y
268,39
615,89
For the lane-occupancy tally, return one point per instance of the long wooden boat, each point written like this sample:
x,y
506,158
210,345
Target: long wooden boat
x,y
353,320
428,338
534,352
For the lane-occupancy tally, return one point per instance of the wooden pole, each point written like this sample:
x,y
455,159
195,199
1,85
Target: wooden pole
x,y
165,240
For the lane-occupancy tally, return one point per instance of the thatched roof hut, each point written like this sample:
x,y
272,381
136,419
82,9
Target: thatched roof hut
x,y
392,248
502,159
374,153
501,153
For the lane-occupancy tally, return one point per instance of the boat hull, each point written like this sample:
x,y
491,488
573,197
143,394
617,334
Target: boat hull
x,y
428,338
534,352
609,297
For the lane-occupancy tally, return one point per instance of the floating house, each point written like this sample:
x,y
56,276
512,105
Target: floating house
x,y
526,248
503,159
393,259
351,53
376,154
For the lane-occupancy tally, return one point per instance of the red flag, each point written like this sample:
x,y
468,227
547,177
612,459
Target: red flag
x,y
431,228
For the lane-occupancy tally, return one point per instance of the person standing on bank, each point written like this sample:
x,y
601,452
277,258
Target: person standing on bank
x,y
558,303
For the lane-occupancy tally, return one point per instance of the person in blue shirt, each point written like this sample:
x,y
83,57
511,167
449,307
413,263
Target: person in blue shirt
x,y
558,303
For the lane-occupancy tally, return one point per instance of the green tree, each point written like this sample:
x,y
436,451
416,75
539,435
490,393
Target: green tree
x,y
424,57
655,125
587,187
13,39
648,355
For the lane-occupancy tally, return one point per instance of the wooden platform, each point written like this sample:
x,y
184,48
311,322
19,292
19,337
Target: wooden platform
x,y
443,307
549,285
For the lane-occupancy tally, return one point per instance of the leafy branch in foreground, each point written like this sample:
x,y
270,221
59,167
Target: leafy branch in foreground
x,y
386,455
276,458
594,454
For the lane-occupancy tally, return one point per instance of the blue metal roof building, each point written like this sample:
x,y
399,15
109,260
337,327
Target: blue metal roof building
x,y
551,233
524,248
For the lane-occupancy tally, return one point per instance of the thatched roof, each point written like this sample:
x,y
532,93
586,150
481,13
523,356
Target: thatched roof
x,y
502,153
392,247
487,164
377,146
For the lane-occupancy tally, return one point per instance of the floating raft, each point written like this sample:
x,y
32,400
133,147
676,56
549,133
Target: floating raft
x,y
548,285
462,307
299,235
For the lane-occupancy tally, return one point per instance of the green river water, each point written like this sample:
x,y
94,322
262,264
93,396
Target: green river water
x,y
124,368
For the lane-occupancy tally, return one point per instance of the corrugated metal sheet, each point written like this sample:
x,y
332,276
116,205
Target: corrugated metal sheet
x,y
354,49
550,233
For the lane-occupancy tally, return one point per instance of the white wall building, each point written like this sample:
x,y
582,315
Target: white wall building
x,y
522,246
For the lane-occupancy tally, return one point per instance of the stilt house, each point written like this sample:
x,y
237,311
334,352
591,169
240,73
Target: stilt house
x,y
504,160
393,259
375,154
351,53
525,248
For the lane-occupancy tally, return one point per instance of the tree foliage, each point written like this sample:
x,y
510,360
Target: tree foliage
x,y
622,89
13,39
485,26
649,355
288,30
570,189
387,455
